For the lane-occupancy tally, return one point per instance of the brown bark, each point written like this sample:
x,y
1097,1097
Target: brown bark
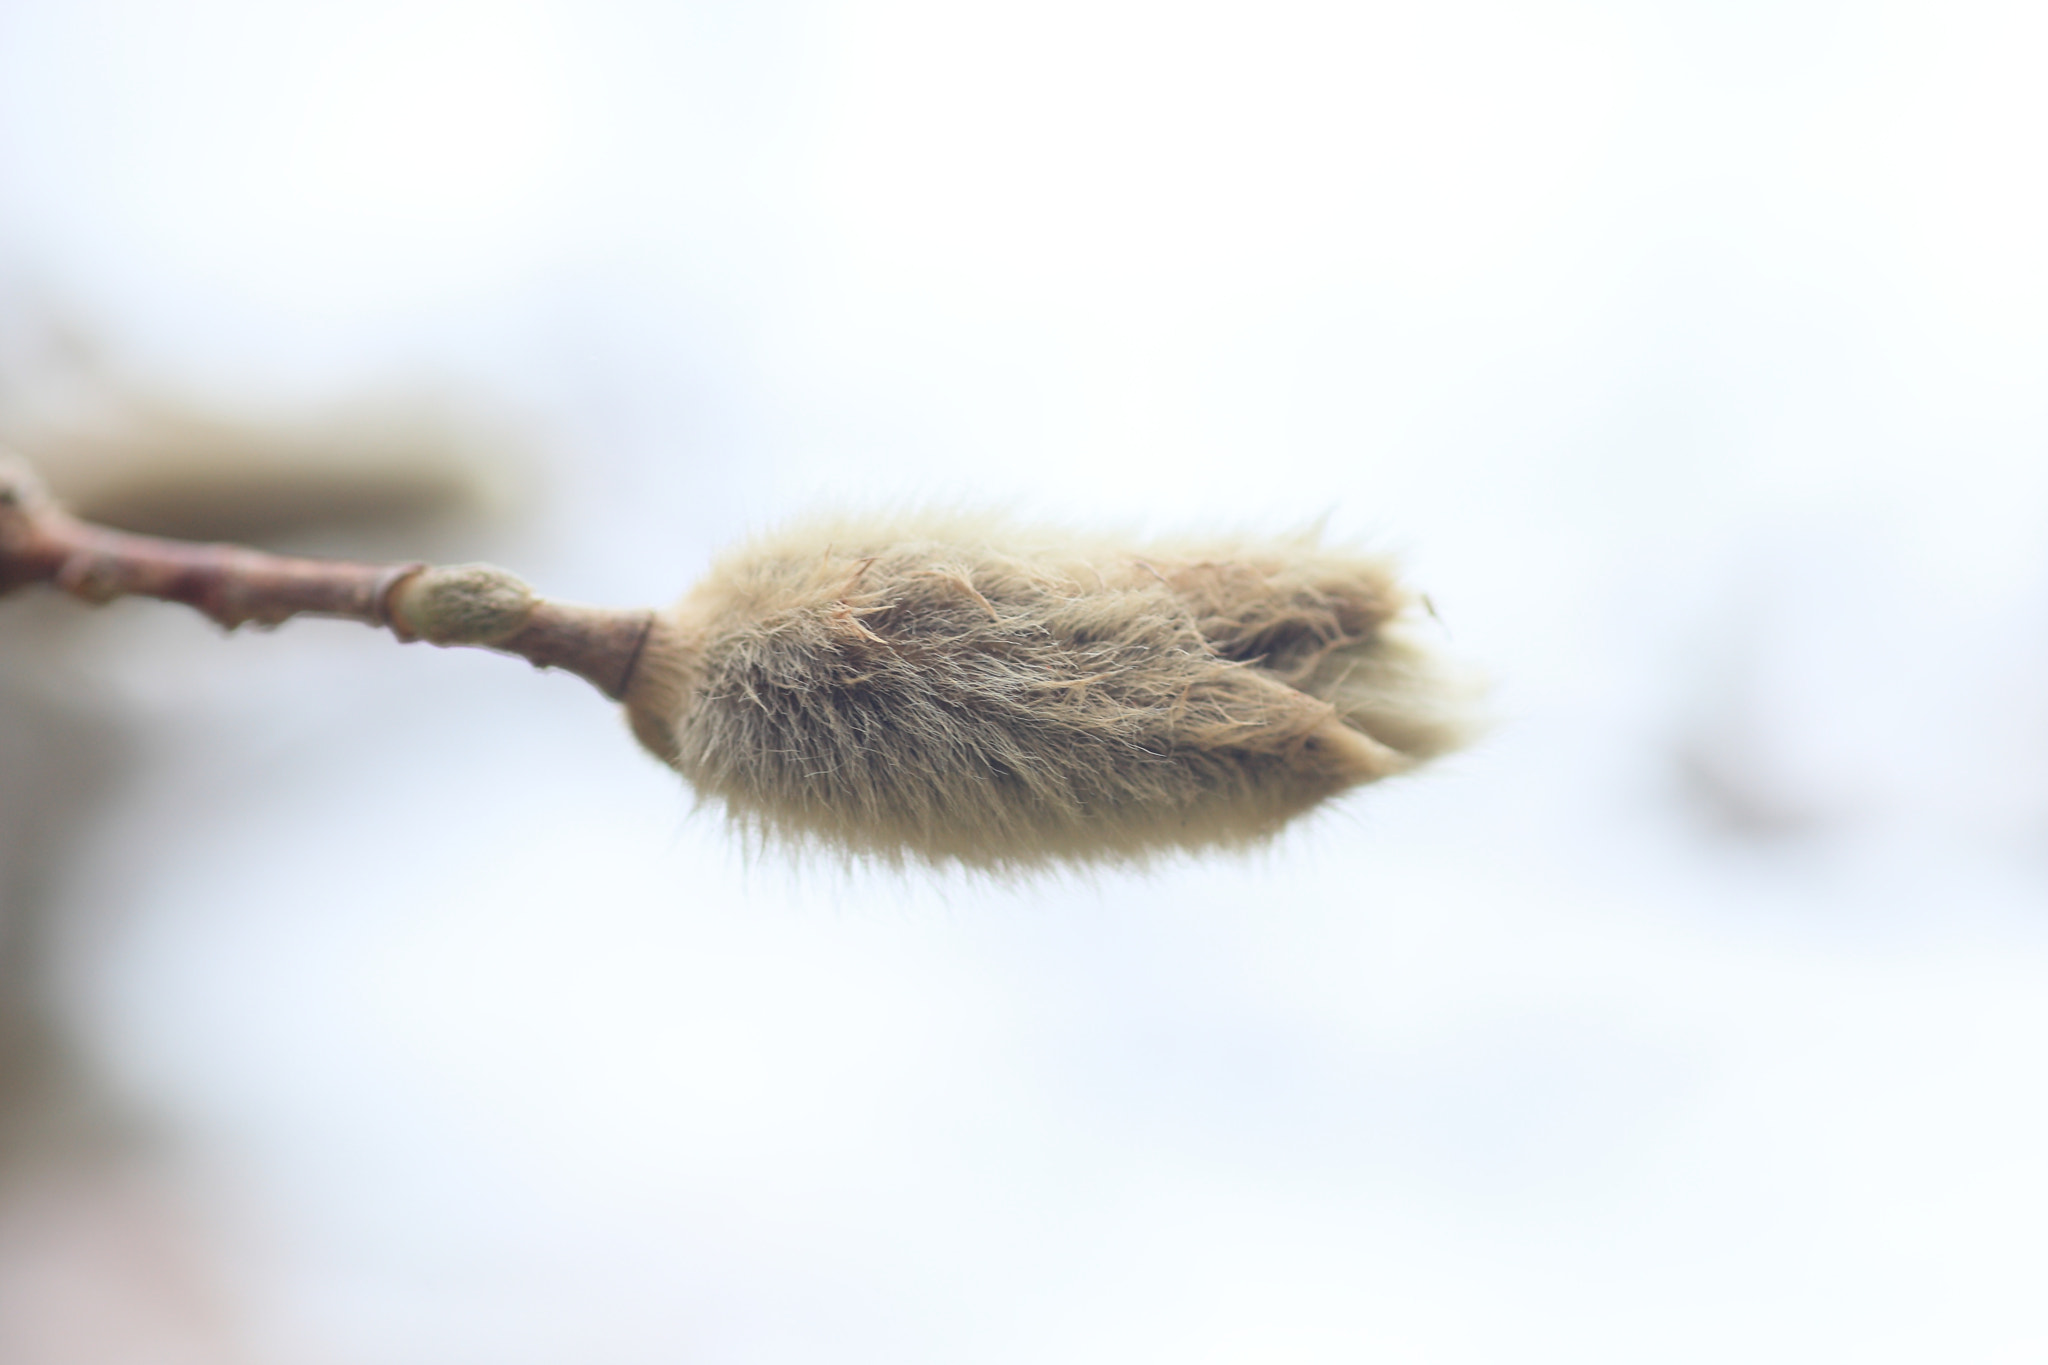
x,y
471,605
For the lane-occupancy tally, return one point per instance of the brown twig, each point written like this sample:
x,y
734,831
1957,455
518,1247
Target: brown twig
x,y
467,604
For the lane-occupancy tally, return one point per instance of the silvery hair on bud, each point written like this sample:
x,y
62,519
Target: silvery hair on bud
x,y
954,689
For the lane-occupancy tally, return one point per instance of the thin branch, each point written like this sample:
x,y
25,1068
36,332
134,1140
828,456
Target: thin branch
x,y
467,604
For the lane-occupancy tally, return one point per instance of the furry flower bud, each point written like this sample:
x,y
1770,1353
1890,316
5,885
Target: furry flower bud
x,y
955,690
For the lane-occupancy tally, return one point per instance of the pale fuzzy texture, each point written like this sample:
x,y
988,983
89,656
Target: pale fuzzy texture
x,y
462,604
963,690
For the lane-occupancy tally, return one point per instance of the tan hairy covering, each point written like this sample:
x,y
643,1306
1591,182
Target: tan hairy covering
x,y
965,690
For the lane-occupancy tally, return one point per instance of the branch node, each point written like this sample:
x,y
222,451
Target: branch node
x,y
90,577
459,604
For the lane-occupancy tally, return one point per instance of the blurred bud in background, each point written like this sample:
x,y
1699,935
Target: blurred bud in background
x,y
145,456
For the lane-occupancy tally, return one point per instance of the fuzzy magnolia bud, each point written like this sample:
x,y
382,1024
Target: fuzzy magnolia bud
x,y
954,690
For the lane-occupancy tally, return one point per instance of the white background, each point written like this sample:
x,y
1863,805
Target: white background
x,y
1690,353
